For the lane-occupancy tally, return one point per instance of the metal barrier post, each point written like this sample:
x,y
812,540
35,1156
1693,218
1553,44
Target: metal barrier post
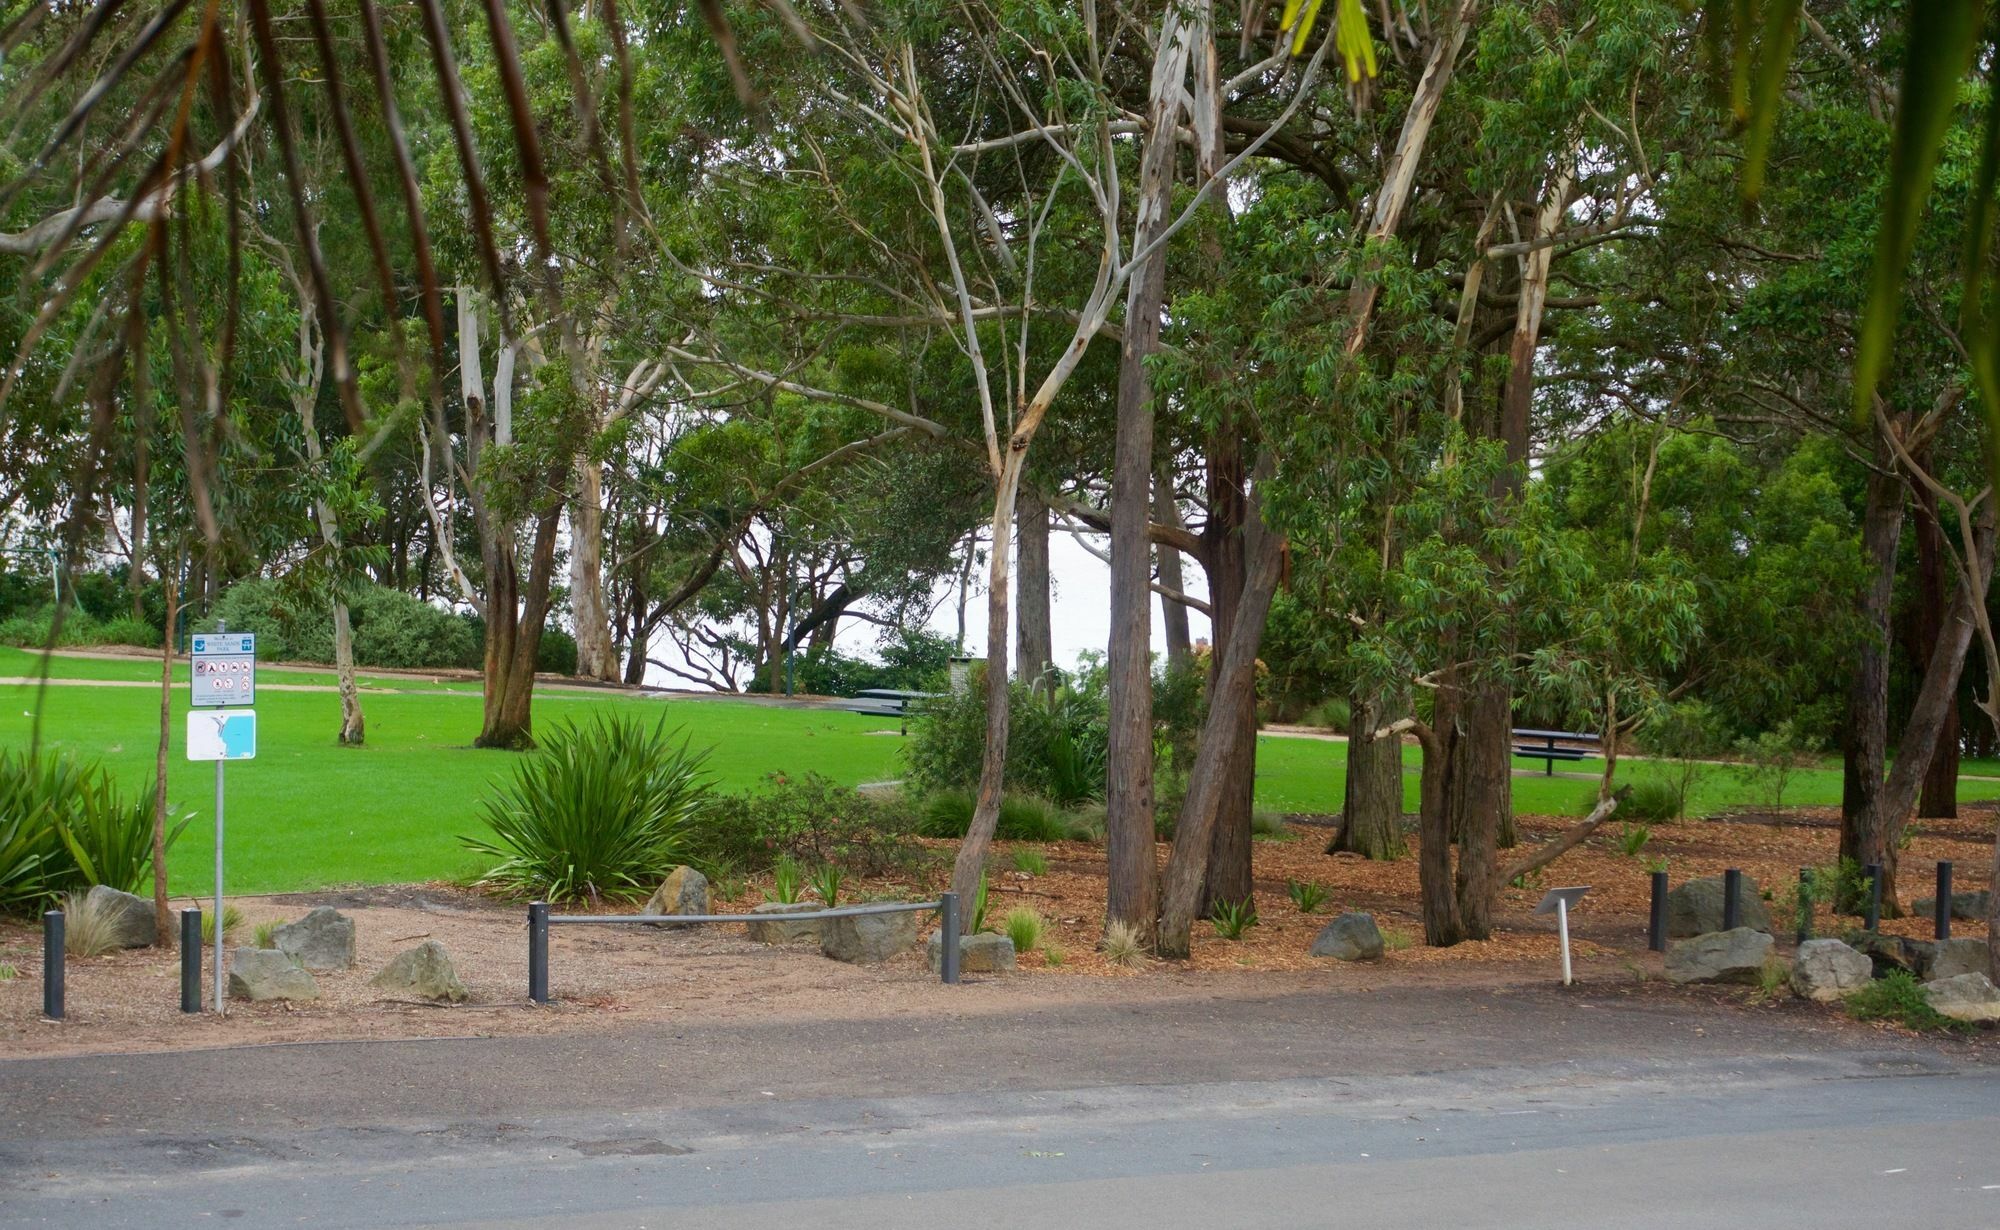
x,y
1942,911
1656,931
538,952
52,965
948,938
1874,872
190,960
1805,910
1732,887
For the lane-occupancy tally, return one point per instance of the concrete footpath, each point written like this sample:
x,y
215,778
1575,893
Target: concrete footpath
x,y
1464,1108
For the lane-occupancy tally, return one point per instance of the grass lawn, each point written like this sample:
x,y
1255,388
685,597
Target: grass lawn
x,y
308,813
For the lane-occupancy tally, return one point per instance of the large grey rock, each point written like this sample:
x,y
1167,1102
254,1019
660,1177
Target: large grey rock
x,y
778,931
868,939
1969,906
1893,952
684,891
1720,956
1958,955
1350,937
131,918
1967,997
1828,970
322,940
1695,908
259,974
424,972
985,953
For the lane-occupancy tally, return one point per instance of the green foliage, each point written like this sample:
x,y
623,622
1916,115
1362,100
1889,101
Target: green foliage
x,y
787,881
1024,927
265,934
812,820
1898,997
1395,939
1055,955
600,810
1269,826
1308,895
391,628
913,659
826,882
64,825
8,973
977,921
1123,944
1232,918
232,922
31,630
1632,839
1686,736
948,814
1031,862
1651,800
1774,758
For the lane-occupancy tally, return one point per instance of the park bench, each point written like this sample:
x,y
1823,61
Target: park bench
x,y
886,702
1549,746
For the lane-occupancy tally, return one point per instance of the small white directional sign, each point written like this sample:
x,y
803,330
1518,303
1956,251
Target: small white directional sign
x,y
228,735
1557,902
224,669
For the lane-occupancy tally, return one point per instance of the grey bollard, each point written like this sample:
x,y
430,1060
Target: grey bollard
x,y
190,960
52,965
1732,887
948,933
1941,913
538,952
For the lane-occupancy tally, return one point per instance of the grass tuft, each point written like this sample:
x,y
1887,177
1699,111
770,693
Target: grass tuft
x,y
1898,997
232,922
1308,895
1124,945
1024,927
1032,862
1233,918
90,928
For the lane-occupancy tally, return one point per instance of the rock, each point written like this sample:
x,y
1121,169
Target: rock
x,y
1892,952
1827,970
1721,956
868,939
1958,955
131,917
322,940
1695,908
1350,937
1967,997
258,974
1968,906
684,891
985,953
423,972
784,932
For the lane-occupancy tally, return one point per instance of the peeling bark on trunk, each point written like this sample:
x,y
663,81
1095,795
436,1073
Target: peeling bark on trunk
x,y
970,865
1939,798
1173,615
1371,816
1230,522
1865,751
596,657
1031,596
353,727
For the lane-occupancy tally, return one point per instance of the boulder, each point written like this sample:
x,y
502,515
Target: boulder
x,y
423,972
1827,970
1893,952
131,917
778,932
1958,955
985,953
868,939
1967,997
1968,906
258,974
684,891
1695,908
1350,937
1737,955
322,940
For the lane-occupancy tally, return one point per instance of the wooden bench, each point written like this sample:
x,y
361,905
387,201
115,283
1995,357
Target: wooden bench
x,y
897,703
1549,746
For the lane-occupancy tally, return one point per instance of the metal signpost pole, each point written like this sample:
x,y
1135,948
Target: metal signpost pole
x,y
1562,929
219,988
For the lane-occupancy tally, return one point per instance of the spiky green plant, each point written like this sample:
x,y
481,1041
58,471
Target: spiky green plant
x,y
1308,895
232,922
1123,944
787,882
1024,927
1031,862
1233,918
826,882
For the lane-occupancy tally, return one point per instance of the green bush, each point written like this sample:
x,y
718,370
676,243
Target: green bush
x,y
1651,800
1055,744
64,826
391,628
813,821
555,654
80,629
912,659
948,814
1024,928
599,811
1898,997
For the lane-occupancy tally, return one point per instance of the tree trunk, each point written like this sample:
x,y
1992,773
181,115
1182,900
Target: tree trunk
x,y
1173,615
1485,754
1131,892
596,657
1442,927
1939,798
1232,701
353,727
163,920
515,616
1230,523
970,866
1865,748
1031,594
1371,816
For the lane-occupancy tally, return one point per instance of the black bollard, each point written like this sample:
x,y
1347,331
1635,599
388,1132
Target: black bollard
x,y
1656,930
190,960
52,965
1732,887
1874,873
1805,919
948,931
538,952
1942,911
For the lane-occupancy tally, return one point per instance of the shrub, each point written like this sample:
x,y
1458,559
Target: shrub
x,y
1031,862
31,630
787,882
979,895
1632,838
812,820
1306,895
232,922
826,882
948,814
1898,997
1651,800
8,973
1055,744
1269,826
391,628
598,811
1123,944
90,927
1774,758
265,935
1395,939
1024,927
65,825
1054,954
1233,918
555,654
1685,735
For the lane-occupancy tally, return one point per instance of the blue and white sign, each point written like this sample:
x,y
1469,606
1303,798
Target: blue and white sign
x,y
223,669
229,735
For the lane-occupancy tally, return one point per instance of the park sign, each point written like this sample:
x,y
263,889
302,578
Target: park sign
x,y
223,669
229,735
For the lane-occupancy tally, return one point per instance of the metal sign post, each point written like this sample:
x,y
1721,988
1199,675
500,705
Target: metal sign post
x,y
222,670
1557,901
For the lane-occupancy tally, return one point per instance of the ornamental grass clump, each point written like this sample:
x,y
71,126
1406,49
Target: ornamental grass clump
x,y
600,810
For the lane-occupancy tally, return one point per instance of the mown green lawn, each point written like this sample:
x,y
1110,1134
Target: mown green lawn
x,y
308,813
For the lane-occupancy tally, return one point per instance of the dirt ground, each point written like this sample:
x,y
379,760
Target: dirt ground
x,y
601,976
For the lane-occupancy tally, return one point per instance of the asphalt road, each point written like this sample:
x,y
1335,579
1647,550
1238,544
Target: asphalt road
x,y
1392,1109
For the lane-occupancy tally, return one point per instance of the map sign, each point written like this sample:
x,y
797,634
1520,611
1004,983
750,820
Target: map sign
x,y
224,669
230,735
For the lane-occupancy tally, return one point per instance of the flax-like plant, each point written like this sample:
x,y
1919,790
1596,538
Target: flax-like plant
x,y
600,811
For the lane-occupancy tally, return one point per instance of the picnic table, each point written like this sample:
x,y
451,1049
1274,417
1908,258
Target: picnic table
x,y
887,702
1549,746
